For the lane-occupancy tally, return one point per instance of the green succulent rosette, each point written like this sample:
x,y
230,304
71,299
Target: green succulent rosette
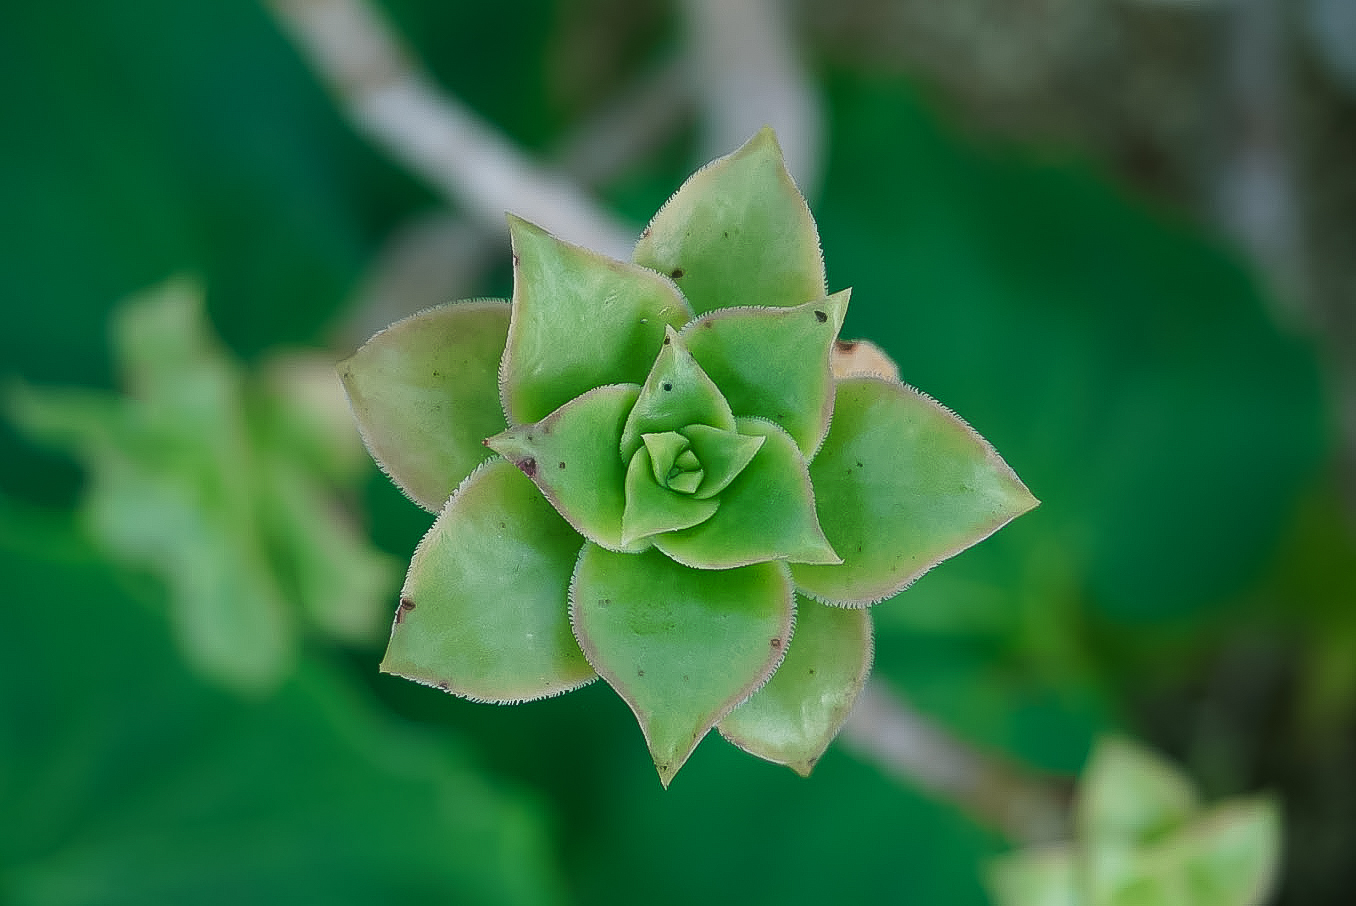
x,y
651,471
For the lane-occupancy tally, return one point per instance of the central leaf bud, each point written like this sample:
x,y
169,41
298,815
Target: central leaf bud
x,y
673,463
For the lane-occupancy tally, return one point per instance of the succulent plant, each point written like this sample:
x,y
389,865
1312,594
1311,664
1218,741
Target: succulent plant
x,y
1142,838
651,471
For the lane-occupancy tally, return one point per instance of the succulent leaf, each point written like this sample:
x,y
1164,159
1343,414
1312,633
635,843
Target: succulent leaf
x,y
681,646
652,507
902,484
572,456
774,362
738,232
766,513
677,393
425,393
793,718
722,455
483,612
1130,795
580,320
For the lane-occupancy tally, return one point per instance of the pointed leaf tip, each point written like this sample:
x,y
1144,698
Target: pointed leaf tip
x,y
738,232
580,320
681,646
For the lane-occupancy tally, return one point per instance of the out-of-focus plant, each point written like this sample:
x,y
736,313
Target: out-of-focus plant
x,y
1142,838
650,471
225,484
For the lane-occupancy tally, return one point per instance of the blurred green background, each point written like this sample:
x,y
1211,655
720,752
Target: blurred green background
x,y
1114,236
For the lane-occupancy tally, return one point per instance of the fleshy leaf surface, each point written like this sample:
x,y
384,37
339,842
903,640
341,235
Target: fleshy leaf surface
x,y
425,392
676,393
580,320
1042,877
1234,852
722,454
572,456
484,609
902,484
653,508
774,362
793,718
1129,794
681,646
738,232
767,512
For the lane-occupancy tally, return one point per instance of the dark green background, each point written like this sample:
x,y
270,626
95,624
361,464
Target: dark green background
x,y
1187,577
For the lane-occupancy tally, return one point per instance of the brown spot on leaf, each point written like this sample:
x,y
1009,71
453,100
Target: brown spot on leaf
x,y
529,466
515,259
676,273
668,386
639,672
645,233
821,316
406,604
775,643
845,345
562,465
446,687
668,340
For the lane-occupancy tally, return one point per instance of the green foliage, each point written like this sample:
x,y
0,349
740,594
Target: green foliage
x,y
125,779
225,486
1142,839
671,411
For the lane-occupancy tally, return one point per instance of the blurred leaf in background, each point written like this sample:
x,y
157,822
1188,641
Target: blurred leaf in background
x,y
1143,838
225,486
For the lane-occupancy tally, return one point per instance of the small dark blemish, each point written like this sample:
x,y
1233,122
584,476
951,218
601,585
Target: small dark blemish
x,y
775,643
845,346
684,677
529,467
645,233
562,465
812,671
859,464
406,604
437,374
726,234
668,386
676,273
486,441
603,602
446,687
640,672
668,340
821,316
502,525
515,259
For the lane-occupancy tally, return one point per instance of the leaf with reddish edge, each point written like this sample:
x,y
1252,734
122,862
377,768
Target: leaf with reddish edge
x,y
484,610
681,646
773,362
901,485
677,393
425,393
738,232
767,512
580,320
793,718
572,456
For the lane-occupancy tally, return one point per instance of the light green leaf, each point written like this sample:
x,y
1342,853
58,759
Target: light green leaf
x,y
738,232
425,392
572,456
1130,795
484,610
774,362
580,320
677,393
767,512
681,646
653,508
722,454
1038,877
1234,852
901,484
793,718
